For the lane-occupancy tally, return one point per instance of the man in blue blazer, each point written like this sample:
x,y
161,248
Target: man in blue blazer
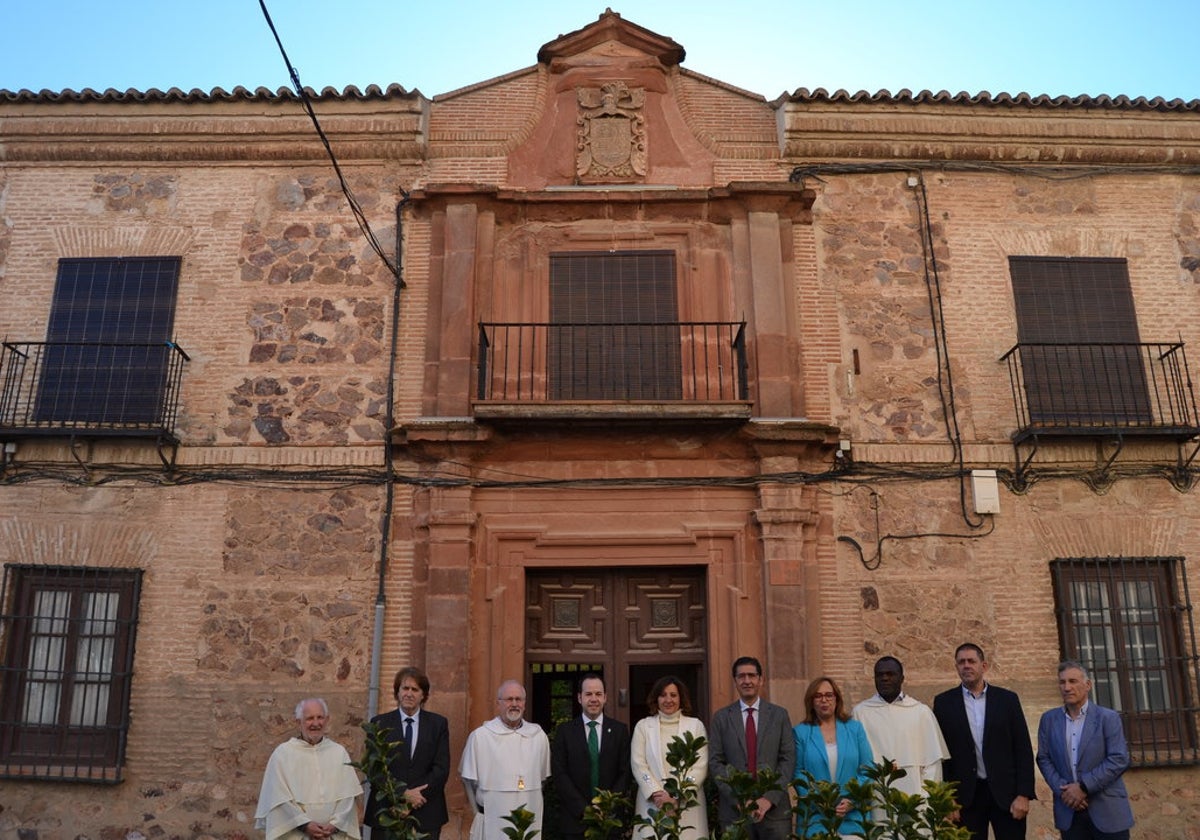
x,y
577,776
991,757
1082,753
736,728
422,760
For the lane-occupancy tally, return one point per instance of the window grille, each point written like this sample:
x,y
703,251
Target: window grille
x,y
617,335
1129,621
67,636
106,359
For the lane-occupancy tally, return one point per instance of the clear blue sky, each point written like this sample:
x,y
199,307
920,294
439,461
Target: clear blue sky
x,y
1137,48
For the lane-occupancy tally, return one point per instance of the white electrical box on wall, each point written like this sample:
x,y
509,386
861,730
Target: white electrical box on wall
x,y
986,490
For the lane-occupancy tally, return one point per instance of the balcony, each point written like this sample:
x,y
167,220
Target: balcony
x,y
90,389
669,370
1099,389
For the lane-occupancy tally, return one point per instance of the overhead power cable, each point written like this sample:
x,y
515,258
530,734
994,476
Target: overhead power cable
x,y
306,101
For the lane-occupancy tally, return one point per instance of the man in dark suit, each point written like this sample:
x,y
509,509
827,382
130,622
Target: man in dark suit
x,y
991,757
1083,754
590,752
422,760
749,735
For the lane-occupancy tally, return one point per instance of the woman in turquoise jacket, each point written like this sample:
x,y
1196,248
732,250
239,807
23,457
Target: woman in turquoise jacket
x,y
828,740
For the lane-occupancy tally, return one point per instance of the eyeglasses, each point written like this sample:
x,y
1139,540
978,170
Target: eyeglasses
x,y
825,695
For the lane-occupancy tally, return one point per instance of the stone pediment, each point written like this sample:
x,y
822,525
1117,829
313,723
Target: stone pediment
x,y
611,115
611,36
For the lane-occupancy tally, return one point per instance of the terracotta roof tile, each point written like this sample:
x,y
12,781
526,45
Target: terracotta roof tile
x,y
925,97
196,95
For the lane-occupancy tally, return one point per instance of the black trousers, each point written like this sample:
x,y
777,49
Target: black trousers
x,y
983,811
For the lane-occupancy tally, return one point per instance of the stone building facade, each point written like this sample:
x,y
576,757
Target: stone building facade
x,y
670,374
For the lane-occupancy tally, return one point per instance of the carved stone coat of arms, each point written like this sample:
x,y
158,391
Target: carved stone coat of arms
x,y
611,137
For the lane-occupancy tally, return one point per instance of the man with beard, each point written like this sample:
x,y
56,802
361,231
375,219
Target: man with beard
x,y
748,735
503,765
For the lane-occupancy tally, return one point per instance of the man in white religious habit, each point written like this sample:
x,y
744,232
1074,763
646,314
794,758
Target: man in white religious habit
x,y
902,729
309,789
503,765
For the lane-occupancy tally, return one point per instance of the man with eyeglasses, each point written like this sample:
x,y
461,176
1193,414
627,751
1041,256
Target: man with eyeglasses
x,y
749,735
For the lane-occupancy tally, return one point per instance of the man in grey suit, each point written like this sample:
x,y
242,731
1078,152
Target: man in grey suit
x,y
1082,753
749,735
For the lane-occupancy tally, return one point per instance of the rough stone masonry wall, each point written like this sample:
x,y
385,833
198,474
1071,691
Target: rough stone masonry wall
x,y
869,252
252,599
928,593
256,593
317,302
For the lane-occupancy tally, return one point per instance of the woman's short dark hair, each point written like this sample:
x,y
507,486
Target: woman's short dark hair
x,y
660,685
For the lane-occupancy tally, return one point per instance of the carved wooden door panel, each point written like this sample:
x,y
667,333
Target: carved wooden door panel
x,y
631,625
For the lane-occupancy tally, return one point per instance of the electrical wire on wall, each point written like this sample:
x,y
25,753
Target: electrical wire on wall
x,y
306,101
389,478
876,559
945,375
1182,476
933,290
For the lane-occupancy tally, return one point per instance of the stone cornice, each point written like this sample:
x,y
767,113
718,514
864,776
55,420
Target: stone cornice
x,y
218,131
930,130
716,204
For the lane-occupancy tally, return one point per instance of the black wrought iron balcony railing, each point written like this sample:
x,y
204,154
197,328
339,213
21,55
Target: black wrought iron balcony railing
x,y
659,363
97,388
1102,388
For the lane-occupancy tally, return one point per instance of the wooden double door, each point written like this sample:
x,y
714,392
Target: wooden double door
x,y
631,625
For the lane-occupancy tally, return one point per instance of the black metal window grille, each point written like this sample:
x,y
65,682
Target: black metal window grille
x,y
619,338
106,357
1129,620
67,636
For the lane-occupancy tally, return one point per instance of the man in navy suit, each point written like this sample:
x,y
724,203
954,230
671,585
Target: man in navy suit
x,y
1082,753
590,752
422,760
749,735
991,757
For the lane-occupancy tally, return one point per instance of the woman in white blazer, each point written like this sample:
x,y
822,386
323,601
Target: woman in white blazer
x,y
670,717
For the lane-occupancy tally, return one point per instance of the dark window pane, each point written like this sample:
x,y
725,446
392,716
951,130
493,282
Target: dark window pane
x,y
107,356
1080,358
614,331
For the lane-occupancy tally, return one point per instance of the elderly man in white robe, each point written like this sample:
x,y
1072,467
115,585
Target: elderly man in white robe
x,y
503,766
309,789
902,729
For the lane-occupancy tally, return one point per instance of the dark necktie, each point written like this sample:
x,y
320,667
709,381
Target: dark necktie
x,y
594,754
408,739
751,742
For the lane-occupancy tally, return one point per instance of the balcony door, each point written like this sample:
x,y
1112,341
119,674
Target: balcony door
x,y
614,326
106,351
631,626
1080,358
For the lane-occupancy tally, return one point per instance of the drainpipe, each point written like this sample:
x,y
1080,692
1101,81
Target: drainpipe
x,y
385,526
